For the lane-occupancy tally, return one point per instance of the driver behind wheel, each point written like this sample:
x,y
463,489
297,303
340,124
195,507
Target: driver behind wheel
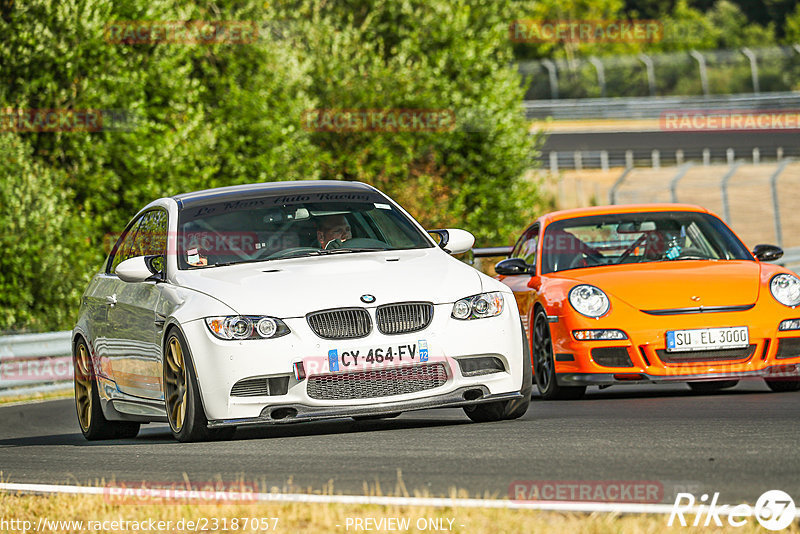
x,y
332,228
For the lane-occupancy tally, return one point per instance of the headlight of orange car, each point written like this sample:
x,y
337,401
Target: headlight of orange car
x,y
589,300
786,289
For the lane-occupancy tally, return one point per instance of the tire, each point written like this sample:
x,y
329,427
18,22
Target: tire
x,y
93,423
544,367
512,409
185,413
709,387
783,385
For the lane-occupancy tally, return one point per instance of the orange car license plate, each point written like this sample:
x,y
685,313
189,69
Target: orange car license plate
x,y
735,337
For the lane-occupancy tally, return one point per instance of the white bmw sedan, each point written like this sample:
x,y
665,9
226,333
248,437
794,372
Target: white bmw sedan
x,y
286,302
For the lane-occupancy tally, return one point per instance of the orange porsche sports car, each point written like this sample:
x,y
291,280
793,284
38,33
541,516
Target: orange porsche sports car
x,y
652,294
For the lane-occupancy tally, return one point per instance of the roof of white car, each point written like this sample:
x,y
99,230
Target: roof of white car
x,y
253,190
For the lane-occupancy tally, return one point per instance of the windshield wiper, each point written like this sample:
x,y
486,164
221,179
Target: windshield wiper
x,y
342,250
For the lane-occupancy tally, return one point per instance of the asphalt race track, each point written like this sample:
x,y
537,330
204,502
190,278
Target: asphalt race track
x,y
741,443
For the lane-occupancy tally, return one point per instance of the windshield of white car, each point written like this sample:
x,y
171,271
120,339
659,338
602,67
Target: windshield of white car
x,y
615,239
276,228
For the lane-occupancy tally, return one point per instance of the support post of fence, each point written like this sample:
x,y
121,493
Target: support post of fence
x,y
706,157
612,195
753,68
731,155
776,208
578,159
651,72
601,74
656,159
552,72
629,158
726,208
756,156
553,162
673,186
604,160
701,63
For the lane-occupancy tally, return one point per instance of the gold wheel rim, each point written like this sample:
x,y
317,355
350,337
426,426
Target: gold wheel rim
x,y
175,384
83,387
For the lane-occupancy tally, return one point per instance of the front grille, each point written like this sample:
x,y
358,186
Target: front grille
x,y
788,347
261,386
377,383
726,355
342,323
612,357
404,317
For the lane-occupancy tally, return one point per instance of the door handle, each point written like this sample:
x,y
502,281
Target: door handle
x,y
160,320
111,300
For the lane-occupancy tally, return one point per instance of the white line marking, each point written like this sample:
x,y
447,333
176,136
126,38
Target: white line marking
x,y
438,502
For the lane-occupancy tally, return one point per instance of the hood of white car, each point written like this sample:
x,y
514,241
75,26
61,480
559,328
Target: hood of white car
x,y
294,287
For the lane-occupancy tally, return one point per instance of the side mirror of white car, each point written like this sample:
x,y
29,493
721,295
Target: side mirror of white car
x,y
137,269
454,241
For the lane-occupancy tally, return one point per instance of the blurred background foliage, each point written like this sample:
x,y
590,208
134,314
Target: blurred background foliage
x,y
222,114
209,115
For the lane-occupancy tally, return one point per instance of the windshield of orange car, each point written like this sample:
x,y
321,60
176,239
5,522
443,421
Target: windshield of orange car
x,y
276,228
616,239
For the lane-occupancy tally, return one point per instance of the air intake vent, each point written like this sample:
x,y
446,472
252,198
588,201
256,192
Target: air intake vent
x,y
377,383
725,355
612,357
342,323
404,317
788,347
261,386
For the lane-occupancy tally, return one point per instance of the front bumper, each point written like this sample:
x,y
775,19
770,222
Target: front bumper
x,y
221,364
633,377
579,362
293,413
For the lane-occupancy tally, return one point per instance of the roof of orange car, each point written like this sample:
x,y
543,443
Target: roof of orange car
x,y
619,208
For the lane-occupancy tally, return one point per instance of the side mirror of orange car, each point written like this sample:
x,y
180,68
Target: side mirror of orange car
x,y
513,266
767,252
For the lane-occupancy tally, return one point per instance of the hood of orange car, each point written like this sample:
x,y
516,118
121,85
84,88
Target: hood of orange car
x,y
680,284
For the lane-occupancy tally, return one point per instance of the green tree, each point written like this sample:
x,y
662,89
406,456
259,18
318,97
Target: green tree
x,y
45,261
440,55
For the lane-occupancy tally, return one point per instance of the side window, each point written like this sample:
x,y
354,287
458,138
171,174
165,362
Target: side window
x,y
525,248
125,246
147,237
151,236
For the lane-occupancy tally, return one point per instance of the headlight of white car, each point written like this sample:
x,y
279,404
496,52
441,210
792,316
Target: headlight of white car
x,y
478,306
589,300
786,289
246,327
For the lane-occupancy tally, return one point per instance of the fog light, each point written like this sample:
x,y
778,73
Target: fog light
x,y
586,335
789,324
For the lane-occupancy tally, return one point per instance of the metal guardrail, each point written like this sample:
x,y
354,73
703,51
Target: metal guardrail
x,y
35,363
652,107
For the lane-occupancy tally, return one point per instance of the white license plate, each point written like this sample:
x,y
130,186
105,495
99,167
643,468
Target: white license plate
x,y
735,337
376,357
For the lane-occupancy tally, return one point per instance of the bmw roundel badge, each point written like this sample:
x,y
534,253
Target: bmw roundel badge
x,y
367,299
